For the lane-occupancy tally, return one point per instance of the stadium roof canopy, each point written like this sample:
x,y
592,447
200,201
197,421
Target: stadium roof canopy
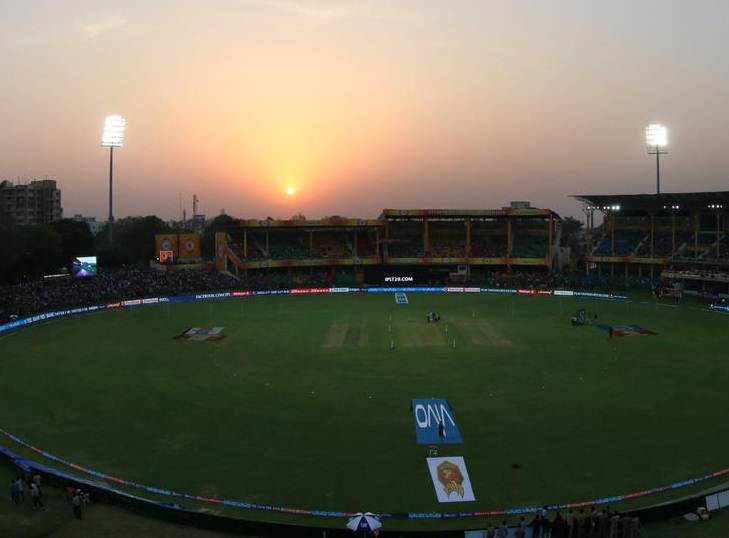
x,y
457,214
642,204
401,214
329,222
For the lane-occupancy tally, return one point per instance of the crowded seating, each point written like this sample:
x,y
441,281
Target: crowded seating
x,y
529,246
331,245
366,247
111,285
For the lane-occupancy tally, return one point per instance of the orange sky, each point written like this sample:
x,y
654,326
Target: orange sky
x,y
360,105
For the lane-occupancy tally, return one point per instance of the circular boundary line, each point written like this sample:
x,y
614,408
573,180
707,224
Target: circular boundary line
x,y
332,513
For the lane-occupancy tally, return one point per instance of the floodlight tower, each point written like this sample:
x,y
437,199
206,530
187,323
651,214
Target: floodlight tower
x,y
656,137
113,137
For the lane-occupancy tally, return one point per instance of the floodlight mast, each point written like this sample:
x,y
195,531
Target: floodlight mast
x,y
113,137
656,137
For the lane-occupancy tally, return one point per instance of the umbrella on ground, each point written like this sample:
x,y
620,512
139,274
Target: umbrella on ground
x,y
366,522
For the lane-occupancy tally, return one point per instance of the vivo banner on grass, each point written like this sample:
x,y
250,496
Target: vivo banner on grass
x,y
435,423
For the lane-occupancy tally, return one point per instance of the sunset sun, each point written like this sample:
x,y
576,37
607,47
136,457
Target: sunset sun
x,y
290,190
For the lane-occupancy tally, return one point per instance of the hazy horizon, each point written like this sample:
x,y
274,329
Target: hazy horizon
x,y
361,105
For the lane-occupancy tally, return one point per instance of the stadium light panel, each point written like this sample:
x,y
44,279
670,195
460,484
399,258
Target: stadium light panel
x,y
113,136
656,136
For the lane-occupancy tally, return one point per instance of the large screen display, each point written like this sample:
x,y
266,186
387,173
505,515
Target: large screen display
x,y
84,266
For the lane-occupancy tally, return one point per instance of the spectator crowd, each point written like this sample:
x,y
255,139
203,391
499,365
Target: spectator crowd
x,y
595,523
112,285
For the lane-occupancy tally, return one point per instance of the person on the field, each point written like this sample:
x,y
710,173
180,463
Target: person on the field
x,y
546,525
571,524
37,481
558,526
441,429
590,523
614,526
19,489
76,504
491,531
634,527
14,492
603,523
35,494
503,530
536,526
580,524
611,331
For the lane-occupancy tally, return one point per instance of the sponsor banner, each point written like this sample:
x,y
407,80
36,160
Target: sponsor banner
x,y
401,298
599,295
498,290
152,300
435,423
219,295
395,289
472,290
240,293
132,302
189,246
720,308
566,293
342,290
181,298
526,292
306,291
271,292
167,243
544,292
399,279
455,290
450,479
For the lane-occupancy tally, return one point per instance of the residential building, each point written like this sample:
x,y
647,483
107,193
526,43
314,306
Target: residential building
x,y
37,202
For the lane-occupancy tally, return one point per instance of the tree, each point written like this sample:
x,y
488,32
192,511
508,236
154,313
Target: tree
x,y
76,238
570,237
138,236
114,256
221,223
133,239
571,228
28,252
10,251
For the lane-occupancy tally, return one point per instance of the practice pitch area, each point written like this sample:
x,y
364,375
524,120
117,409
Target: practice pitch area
x,y
306,401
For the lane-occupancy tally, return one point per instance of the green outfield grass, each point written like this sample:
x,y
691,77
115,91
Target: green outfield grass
x,y
304,404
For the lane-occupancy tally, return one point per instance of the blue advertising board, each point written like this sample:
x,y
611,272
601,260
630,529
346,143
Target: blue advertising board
x,y
435,422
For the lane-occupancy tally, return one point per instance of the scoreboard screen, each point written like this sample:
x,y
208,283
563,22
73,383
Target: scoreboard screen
x,y
84,266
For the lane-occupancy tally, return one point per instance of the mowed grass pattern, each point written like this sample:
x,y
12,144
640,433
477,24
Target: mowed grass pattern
x,y
304,404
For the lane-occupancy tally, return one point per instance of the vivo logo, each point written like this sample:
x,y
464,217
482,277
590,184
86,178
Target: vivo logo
x,y
428,416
